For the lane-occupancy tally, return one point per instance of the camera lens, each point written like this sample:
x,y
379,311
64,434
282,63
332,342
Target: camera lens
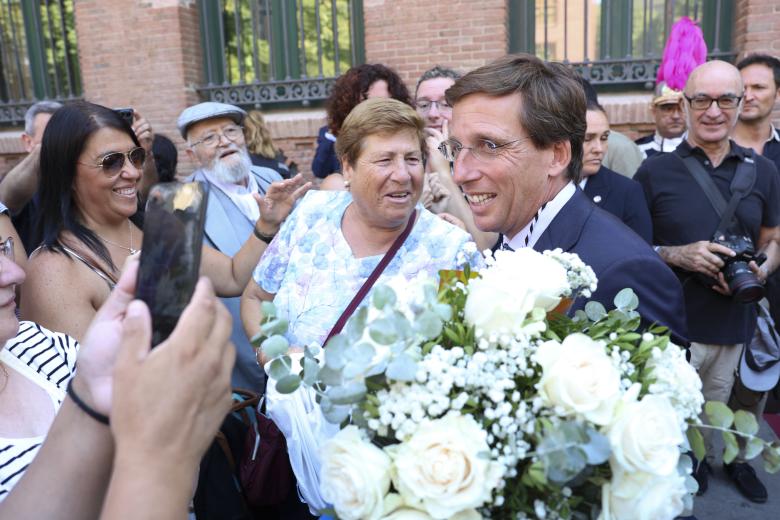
x,y
745,287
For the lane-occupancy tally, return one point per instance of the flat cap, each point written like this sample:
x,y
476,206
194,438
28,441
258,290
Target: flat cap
x,y
208,110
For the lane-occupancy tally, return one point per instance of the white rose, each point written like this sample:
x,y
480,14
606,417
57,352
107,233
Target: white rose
x,y
443,469
579,377
645,435
504,294
355,475
642,496
415,514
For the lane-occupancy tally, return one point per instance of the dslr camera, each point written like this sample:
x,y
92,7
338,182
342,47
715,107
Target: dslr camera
x,y
743,283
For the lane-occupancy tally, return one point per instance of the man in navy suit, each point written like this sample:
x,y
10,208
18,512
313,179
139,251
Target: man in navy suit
x,y
516,141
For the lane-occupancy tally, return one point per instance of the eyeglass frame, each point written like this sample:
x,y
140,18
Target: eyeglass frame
x,y
219,135
714,100
480,156
441,106
7,248
125,158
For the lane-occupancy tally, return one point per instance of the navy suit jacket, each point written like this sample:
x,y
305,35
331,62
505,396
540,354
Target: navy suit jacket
x,y
620,259
624,198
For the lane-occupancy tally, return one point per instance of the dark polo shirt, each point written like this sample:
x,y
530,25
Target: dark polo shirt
x,y
682,214
772,148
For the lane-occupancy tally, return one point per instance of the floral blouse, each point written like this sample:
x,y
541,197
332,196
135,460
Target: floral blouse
x,y
310,267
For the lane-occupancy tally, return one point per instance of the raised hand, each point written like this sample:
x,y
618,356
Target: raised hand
x,y
278,203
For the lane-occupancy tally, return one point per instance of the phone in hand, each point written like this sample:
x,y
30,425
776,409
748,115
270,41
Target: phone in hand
x,y
171,250
126,114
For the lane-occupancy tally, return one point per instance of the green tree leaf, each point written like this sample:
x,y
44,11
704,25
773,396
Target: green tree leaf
x,y
753,448
745,422
732,448
719,414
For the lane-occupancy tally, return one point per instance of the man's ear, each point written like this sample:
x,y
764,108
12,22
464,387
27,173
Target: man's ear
x,y
561,158
191,155
27,142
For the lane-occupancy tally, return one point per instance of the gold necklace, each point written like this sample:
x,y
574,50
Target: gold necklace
x,y
130,249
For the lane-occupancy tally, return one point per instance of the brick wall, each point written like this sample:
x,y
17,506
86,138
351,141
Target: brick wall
x,y
412,36
141,54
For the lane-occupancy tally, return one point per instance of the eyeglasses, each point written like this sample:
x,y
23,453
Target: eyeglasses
x,y
484,150
113,162
231,133
7,248
424,105
727,102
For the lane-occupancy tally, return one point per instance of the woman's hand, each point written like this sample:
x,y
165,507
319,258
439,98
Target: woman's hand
x,y
278,203
143,131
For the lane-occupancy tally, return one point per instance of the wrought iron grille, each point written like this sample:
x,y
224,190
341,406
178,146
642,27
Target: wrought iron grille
x,y
615,42
38,58
265,52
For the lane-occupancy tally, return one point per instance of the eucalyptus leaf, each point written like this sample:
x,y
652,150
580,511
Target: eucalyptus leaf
x,y
363,351
719,414
275,326
402,368
745,422
311,370
336,352
731,447
697,442
355,368
595,311
383,331
337,414
771,456
597,449
288,384
268,309
330,376
356,324
753,448
428,324
351,393
311,350
383,296
623,299
443,310
275,346
279,368
579,315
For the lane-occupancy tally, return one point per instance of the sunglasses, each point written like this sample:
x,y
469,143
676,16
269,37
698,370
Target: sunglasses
x,y
112,163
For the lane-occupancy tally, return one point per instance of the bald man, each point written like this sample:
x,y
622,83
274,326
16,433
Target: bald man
x,y
685,223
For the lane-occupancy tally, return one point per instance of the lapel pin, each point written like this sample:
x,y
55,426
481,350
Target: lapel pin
x,y
597,199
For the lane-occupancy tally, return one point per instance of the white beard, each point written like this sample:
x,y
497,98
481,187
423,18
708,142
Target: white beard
x,y
234,172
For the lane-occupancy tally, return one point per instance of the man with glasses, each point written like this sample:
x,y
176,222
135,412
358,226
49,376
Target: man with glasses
x,y
667,110
684,225
215,141
518,127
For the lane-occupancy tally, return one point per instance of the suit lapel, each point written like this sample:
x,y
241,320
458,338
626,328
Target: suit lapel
x,y
565,229
597,188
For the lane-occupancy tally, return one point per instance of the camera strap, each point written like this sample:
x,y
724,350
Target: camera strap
x,y
741,185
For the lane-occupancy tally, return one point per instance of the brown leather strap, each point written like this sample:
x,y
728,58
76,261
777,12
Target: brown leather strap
x,y
372,278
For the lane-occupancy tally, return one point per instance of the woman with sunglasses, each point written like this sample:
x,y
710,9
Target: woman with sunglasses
x,y
91,163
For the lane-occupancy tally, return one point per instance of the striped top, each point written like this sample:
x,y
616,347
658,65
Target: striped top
x,y
48,359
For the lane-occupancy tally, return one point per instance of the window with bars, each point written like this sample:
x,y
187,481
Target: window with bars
x,y
259,52
614,42
38,57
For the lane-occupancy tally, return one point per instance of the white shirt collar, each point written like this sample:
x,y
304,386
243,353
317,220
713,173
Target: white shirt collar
x,y
541,221
773,135
241,196
667,144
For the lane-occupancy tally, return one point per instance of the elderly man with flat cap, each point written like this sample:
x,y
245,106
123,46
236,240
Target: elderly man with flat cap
x,y
215,141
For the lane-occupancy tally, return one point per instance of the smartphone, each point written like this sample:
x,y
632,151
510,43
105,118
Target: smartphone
x,y
126,114
171,250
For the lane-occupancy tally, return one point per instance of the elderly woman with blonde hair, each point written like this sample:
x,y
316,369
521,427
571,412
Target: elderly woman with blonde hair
x,y
334,241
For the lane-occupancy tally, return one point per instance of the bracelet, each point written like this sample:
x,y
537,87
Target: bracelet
x,y
265,238
99,417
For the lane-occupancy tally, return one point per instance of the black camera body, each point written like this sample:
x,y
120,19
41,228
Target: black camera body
x,y
743,283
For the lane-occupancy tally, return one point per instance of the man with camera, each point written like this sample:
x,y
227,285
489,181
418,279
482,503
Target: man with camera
x,y
715,222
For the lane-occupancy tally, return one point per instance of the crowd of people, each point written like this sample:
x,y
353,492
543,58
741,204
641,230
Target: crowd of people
x,y
517,153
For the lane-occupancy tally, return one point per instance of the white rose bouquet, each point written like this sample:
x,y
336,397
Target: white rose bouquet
x,y
479,398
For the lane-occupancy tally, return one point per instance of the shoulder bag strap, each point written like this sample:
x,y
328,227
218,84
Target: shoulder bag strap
x,y
741,185
372,278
